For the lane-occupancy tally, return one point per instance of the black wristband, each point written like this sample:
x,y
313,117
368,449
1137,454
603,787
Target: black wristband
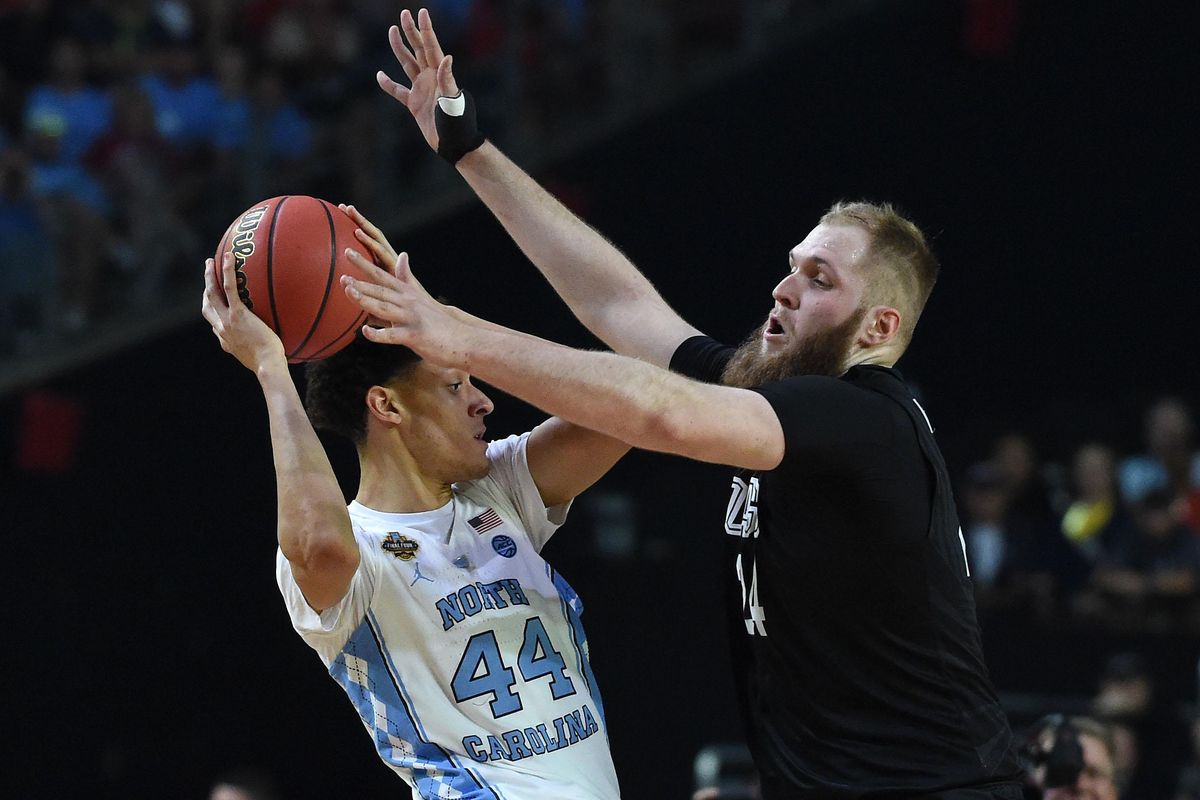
x,y
459,135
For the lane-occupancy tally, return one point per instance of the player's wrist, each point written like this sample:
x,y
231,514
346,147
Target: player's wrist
x,y
457,128
270,366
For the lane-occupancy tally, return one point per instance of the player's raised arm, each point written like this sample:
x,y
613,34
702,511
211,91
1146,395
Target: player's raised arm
x,y
601,286
625,398
314,526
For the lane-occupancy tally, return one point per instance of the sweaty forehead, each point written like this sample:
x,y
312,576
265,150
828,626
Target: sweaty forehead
x,y
843,246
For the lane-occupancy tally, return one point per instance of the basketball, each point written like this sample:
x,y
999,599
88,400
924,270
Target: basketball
x,y
289,256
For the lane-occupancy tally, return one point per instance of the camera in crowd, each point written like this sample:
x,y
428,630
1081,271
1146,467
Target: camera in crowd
x,y
1068,757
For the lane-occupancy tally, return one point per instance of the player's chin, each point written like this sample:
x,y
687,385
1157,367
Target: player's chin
x,y
476,467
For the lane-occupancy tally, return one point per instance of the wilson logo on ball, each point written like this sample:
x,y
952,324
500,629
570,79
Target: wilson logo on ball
x,y
243,247
289,254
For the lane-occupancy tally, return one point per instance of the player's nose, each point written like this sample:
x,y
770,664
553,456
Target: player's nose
x,y
481,405
786,294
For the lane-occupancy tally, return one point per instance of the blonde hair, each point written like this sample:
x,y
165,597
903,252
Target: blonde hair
x,y
901,268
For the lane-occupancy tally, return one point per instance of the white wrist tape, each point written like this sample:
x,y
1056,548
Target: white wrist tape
x,y
453,106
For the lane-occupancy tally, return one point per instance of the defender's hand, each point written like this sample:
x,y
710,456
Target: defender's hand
x,y
241,334
427,67
372,238
413,318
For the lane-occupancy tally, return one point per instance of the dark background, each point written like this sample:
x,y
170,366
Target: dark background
x,y
149,649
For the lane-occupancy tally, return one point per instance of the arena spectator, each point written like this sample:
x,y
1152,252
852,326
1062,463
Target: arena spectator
x,y
139,169
74,207
261,137
78,114
1015,559
1095,522
1027,489
1058,774
183,98
27,275
1170,462
1151,580
984,509
1150,740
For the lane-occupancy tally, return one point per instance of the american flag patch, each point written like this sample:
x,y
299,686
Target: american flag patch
x,y
485,521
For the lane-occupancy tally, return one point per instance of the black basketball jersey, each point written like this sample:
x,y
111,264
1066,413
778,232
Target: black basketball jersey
x,y
853,630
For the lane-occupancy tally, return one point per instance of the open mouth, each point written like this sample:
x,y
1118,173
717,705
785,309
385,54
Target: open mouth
x,y
479,436
773,326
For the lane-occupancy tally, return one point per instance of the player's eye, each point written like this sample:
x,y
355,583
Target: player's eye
x,y
821,283
454,387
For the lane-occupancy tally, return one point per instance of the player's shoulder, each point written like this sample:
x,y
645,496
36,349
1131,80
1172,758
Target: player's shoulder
x,y
848,392
506,449
832,413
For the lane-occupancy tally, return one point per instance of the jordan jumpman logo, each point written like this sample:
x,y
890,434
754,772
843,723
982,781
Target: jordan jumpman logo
x,y
419,576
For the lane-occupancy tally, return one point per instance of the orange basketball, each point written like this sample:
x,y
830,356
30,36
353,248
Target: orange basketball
x,y
289,254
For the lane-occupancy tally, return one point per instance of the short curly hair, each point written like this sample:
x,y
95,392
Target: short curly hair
x,y
337,386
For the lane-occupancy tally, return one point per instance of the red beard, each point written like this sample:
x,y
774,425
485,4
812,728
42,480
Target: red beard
x,y
821,353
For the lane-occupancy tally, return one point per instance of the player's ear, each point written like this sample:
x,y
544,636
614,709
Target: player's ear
x,y
882,323
386,405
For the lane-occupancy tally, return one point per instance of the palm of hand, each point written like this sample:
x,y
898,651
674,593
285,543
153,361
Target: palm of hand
x,y
422,98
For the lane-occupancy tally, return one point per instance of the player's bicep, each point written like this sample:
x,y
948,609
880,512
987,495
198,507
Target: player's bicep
x,y
564,459
647,329
723,425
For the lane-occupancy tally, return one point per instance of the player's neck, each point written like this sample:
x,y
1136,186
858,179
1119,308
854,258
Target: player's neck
x,y
883,356
390,481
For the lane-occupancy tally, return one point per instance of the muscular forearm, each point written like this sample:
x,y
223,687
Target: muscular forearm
x,y
601,286
314,526
625,398
640,404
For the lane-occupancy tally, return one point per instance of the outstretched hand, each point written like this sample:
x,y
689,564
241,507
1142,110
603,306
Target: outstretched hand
x,y
404,313
427,67
241,334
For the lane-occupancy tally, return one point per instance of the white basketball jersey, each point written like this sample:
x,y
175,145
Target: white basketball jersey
x,y
462,650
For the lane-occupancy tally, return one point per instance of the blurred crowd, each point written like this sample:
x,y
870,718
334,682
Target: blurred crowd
x,y
133,131
1109,539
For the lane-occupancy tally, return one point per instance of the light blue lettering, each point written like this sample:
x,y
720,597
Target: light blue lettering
x,y
575,724
515,746
560,728
468,597
492,591
535,740
551,744
589,721
471,745
515,594
451,613
496,752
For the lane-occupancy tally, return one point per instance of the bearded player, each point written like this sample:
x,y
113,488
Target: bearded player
x,y
856,648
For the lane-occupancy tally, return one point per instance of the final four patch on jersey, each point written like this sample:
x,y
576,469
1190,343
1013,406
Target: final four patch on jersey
x,y
400,546
504,545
